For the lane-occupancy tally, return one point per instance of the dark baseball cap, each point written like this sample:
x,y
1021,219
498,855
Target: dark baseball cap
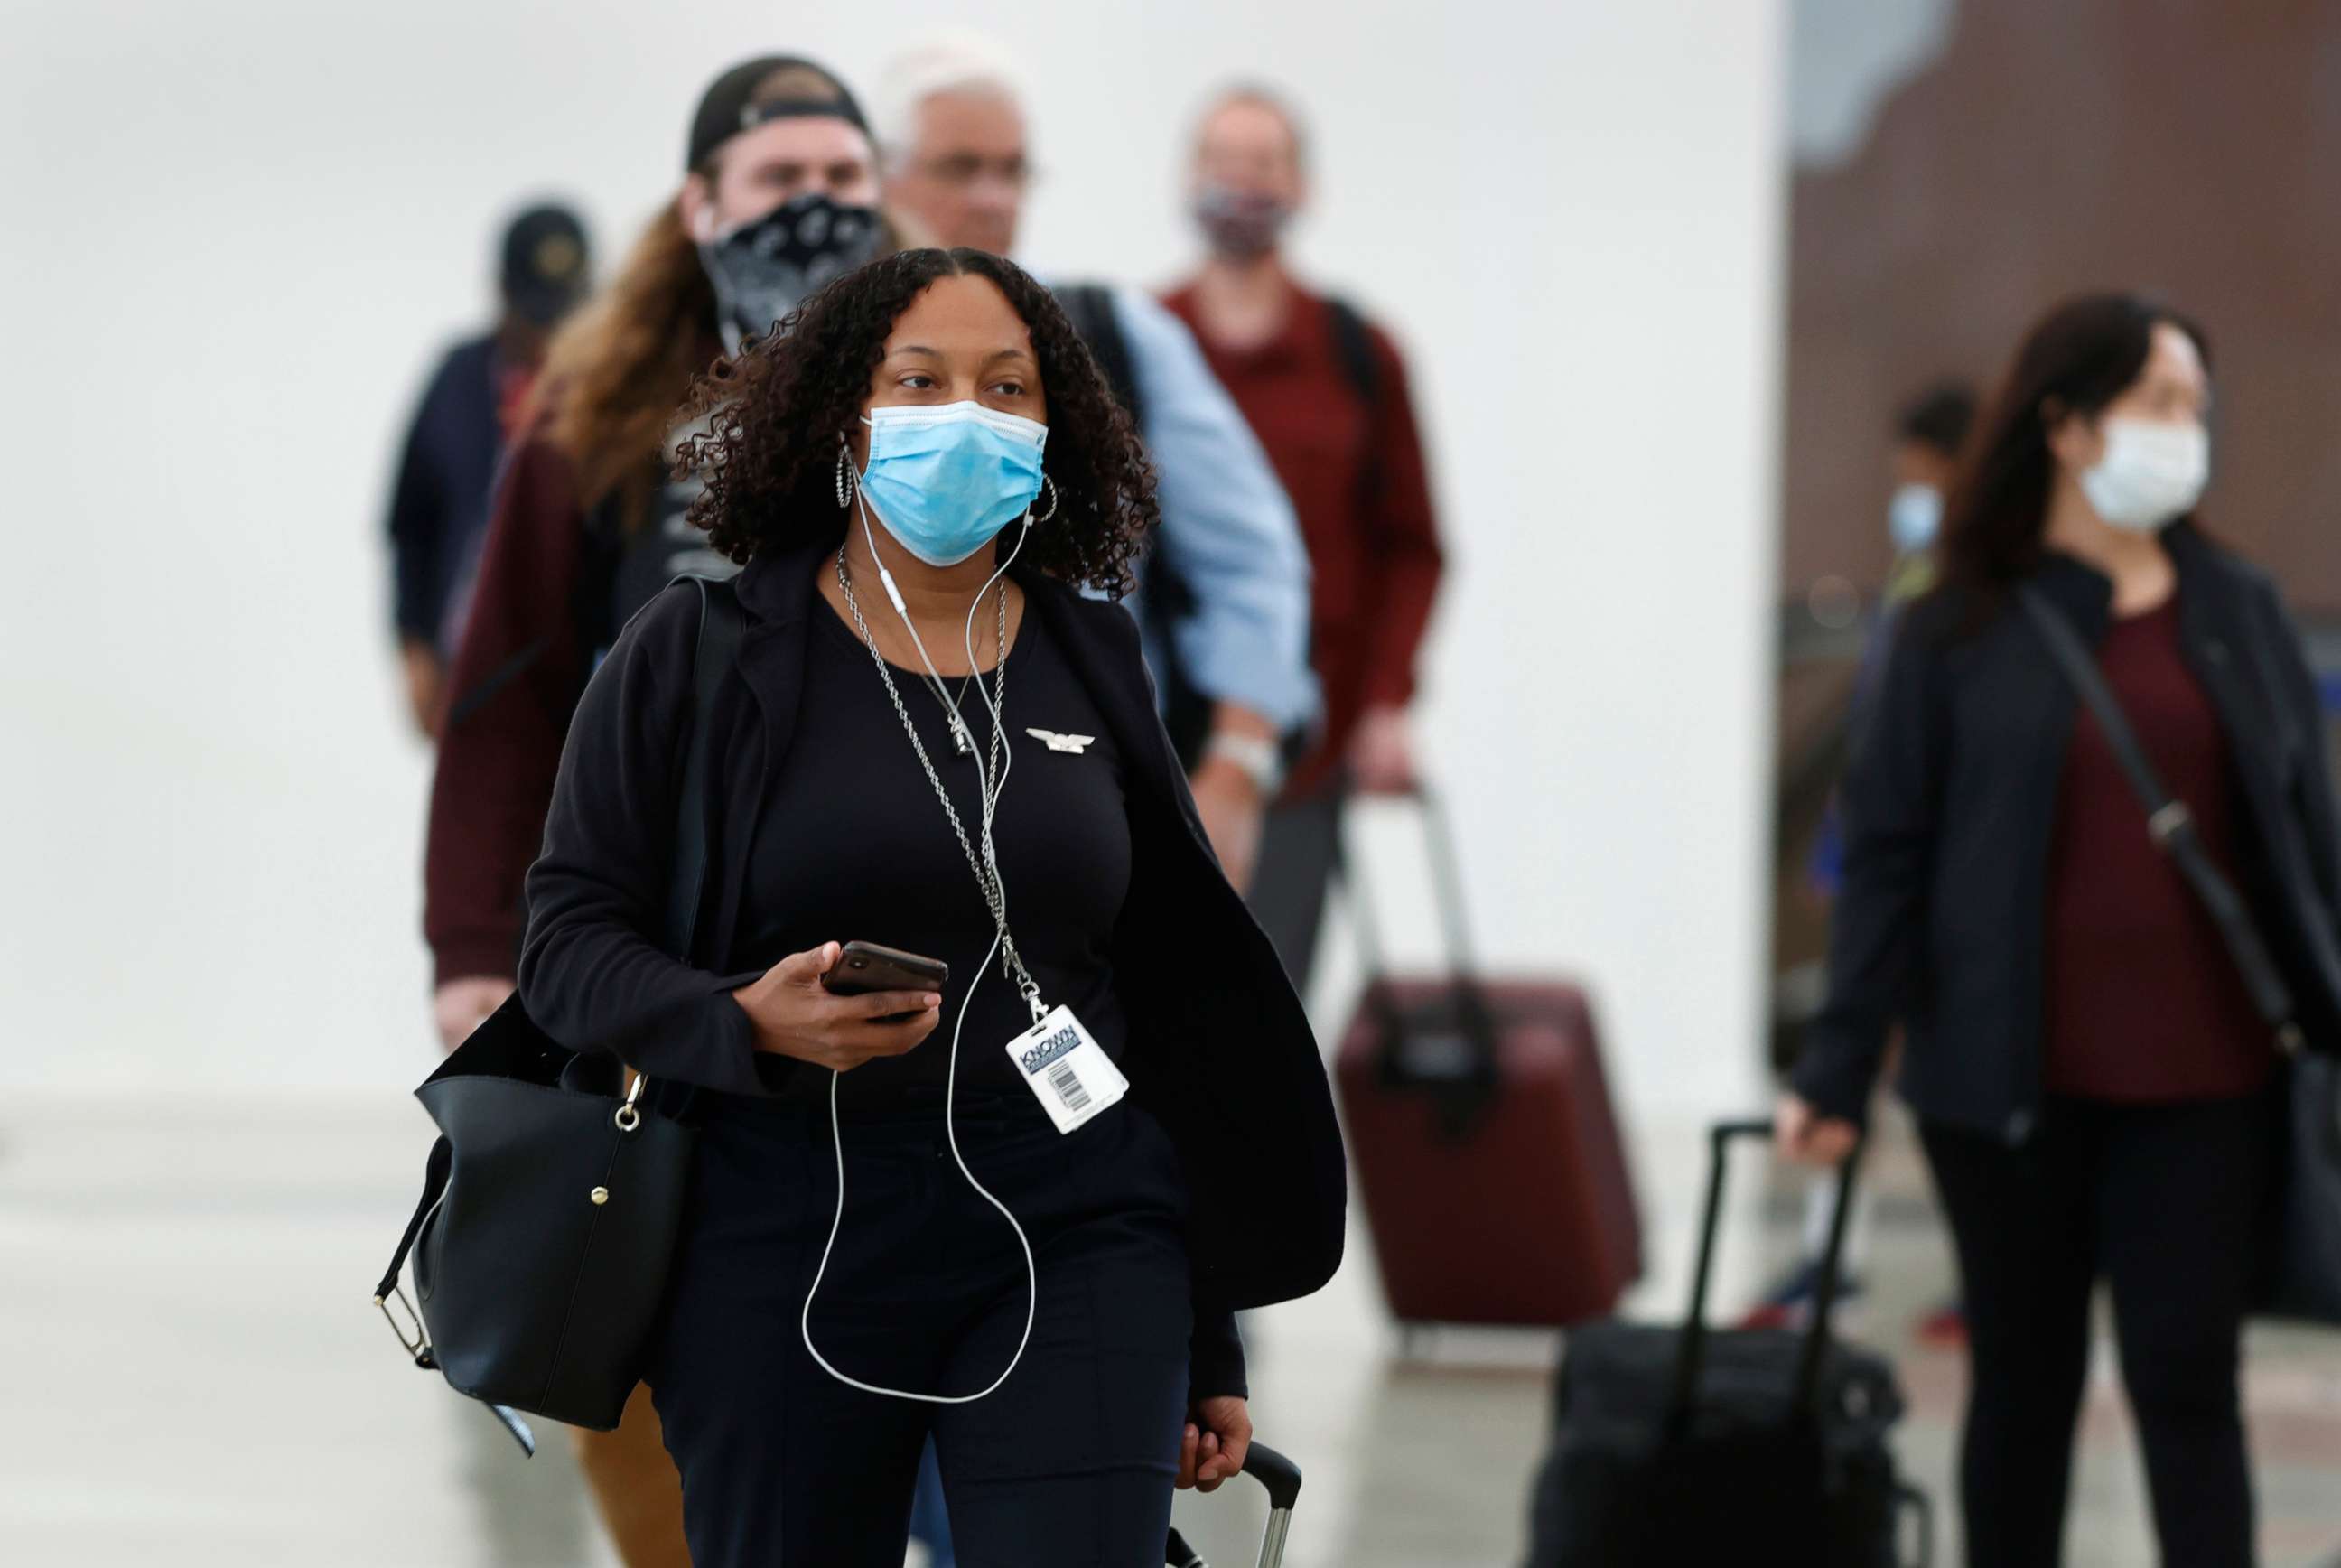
x,y
548,263
756,92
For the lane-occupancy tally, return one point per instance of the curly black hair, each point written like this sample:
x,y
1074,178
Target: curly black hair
x,y
769,420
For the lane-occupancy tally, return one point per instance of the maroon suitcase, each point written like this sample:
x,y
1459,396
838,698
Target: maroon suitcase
x,y
1480,1120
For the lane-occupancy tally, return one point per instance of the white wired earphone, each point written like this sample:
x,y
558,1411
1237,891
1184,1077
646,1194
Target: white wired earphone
x,y
990,789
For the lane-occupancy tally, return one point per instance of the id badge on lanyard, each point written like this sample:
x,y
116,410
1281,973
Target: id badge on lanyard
x,y
1067,1070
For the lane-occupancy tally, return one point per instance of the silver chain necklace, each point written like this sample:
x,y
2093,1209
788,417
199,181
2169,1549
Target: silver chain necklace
x,y
987,877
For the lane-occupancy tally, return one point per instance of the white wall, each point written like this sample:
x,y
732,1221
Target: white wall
x,y
237,230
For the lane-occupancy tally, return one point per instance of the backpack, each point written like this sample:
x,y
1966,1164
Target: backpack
x,y
1170,599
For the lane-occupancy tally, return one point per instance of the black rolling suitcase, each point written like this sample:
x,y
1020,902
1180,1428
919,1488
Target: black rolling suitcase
x,y
1681,1446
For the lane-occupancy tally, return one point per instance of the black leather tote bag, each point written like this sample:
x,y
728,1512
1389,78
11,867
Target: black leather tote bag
x,y
551,1201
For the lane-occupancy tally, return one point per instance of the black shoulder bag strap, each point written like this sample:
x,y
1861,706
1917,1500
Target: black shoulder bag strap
x,y
720,628
2168,822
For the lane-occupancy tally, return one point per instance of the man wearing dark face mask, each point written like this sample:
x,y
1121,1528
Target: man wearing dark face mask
x,y
1223,604
778,195
1326,393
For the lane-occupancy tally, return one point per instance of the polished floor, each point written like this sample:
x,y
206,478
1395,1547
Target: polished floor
x,y
196,1375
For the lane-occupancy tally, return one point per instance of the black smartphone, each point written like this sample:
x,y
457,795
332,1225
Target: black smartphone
x,y
865,966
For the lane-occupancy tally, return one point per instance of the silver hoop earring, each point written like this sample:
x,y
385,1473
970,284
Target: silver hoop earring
x,y
1052,512
844,474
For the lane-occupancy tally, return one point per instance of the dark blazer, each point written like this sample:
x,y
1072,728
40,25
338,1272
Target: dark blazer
x,y
440,503
1951,802
1220,1048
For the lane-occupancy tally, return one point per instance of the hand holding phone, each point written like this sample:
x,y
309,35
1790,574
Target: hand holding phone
x,y
797,1012
863,967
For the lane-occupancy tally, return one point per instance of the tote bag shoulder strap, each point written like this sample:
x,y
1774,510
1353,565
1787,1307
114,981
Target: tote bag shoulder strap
x,y
721,624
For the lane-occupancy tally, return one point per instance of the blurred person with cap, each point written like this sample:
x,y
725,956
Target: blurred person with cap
x,y
778,196
1223,604
470,411
1326,392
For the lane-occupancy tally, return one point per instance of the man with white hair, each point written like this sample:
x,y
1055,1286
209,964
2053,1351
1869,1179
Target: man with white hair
x,y
1224,600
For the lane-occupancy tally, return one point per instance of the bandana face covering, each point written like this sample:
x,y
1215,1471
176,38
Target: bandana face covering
x,y
761,269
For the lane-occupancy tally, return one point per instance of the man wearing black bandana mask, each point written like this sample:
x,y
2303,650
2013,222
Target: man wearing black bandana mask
x,y
779,194
760,267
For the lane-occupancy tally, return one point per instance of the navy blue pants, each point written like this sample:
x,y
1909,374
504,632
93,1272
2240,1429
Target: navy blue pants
x,y
1069,1462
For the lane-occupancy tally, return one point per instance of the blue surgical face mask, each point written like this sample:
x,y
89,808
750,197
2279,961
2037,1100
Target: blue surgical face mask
x,y
1914,517
945,481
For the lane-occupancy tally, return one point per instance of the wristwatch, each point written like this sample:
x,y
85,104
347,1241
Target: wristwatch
x,y
1258,755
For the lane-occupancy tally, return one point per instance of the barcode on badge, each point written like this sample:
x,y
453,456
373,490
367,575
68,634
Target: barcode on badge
x,y
1068,1085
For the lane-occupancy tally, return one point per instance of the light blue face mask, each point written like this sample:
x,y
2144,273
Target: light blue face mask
x,y
1914,517
945,481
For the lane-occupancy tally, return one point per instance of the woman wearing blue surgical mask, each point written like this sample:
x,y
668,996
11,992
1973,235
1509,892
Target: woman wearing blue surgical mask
x,y
2089,1054
1013,1212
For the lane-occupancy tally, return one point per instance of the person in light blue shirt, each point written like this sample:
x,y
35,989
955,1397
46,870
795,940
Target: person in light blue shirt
x,y
1223,600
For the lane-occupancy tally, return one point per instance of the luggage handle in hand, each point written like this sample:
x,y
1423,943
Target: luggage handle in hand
x,y
1281,1477
1910,1500
1691,1357
1463,1098
1446,883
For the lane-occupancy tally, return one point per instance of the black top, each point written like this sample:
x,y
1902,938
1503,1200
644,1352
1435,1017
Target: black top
x,y
854,845
1950,812
1218,1047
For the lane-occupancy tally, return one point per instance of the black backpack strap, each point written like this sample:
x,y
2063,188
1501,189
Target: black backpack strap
x,y
1353,346
1089,307
722,624
2168,820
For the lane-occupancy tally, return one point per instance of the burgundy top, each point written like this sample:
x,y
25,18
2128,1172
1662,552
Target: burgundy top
x,y
2144,1004
1357,479
521,645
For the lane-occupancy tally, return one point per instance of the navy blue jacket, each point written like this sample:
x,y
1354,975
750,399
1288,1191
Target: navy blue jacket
x,y
1950,802
440,506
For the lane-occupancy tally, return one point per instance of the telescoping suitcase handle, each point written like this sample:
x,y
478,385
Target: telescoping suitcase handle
x,y
1690,1359
1447,887
1281,1477
1464,1094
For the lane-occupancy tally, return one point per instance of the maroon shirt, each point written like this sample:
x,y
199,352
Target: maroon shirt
x,y
1356,477
2144,1004
496,766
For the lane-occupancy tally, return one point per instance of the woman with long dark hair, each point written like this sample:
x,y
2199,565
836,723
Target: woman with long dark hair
x,y
931,1212
2091,1072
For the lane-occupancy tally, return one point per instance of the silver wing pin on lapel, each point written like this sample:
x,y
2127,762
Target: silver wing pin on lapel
x,y
1057,743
